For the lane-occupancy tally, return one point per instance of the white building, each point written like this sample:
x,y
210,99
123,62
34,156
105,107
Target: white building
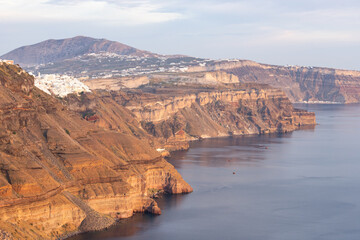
x,y
60,85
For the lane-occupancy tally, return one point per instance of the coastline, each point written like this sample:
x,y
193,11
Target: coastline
x,y
180,150
319,102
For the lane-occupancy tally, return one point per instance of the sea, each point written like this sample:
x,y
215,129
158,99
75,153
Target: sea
x,y
303,185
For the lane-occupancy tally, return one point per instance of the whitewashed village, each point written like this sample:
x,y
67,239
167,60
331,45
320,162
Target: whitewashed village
x,y
59,85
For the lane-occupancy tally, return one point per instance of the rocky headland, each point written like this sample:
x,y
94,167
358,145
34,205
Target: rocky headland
x,y
77,163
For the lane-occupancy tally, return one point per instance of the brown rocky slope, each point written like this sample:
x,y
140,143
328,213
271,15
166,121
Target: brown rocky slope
x,y
60,173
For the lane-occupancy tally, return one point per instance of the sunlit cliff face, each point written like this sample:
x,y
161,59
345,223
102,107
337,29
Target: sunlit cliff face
x,y
61,173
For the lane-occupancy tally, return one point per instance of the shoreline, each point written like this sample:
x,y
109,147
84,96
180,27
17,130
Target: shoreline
x,y
117,221
319,102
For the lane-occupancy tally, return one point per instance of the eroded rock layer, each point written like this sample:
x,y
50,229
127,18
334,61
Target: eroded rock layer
x,y
61,173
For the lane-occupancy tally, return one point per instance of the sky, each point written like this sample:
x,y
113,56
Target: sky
x,y
323,33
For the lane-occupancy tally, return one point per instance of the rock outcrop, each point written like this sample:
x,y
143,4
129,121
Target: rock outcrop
x,y
61,173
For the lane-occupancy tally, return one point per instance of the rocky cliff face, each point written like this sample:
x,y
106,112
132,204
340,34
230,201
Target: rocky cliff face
x,y
61,172
301,84
177,117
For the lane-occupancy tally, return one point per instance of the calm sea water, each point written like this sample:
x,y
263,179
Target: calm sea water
x,y
304,185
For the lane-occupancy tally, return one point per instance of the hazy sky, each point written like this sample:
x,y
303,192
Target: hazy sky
x,y
295,32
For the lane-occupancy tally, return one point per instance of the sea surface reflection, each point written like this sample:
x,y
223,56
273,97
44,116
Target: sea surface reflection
x,y
301,185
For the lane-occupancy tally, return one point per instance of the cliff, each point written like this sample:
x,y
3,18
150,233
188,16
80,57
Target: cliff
x,y
301,84
223,113
61,172
176,116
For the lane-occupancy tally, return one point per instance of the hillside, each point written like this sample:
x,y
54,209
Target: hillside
x,y
59,50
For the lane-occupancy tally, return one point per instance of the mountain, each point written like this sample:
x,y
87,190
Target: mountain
x,y
58,50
